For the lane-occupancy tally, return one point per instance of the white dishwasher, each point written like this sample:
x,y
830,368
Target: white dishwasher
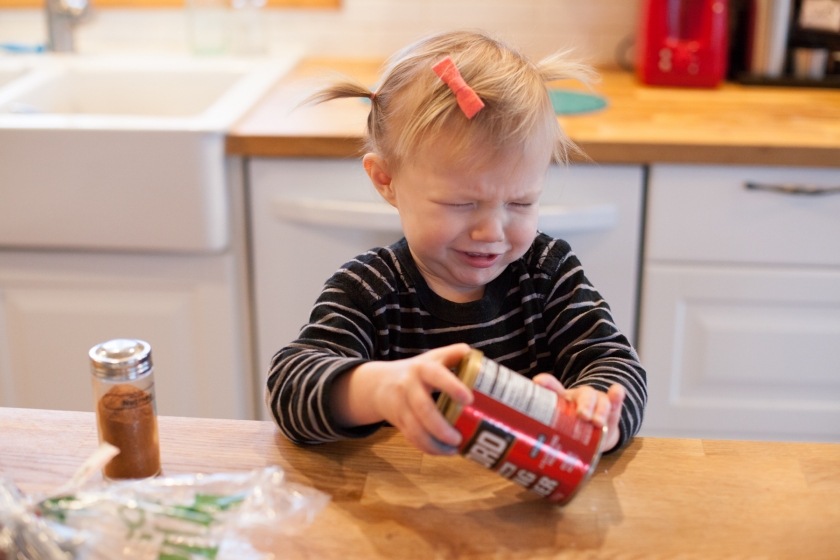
x,y
310,216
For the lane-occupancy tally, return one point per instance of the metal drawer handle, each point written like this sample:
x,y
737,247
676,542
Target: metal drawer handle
x,y
790,188
378,216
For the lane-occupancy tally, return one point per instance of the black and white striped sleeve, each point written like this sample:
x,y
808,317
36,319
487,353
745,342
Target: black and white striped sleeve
x,y
337,338
587,347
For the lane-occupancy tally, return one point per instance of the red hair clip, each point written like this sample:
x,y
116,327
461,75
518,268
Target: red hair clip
x,y
468,100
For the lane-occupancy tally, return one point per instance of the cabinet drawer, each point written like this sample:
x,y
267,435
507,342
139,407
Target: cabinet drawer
x,y
708,213
741,352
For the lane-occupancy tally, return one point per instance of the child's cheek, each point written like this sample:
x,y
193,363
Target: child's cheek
x,y
522,232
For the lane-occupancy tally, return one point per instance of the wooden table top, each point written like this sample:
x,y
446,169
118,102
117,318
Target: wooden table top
x,y
658,498
731,124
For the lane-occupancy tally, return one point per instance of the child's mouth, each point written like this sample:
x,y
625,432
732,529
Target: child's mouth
x,y
480,260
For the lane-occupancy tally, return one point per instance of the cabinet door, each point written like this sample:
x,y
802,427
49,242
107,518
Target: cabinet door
x,y
54,307
737,352
292,258
609,252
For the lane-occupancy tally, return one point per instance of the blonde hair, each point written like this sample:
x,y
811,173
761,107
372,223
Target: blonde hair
x,y
411,105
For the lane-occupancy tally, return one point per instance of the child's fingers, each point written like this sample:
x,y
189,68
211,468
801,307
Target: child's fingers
x,y
603,409
436,376
450,355
586,398
549,382
425,411
420,438
615,394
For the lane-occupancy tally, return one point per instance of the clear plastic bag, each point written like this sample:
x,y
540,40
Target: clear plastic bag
x,y
189,517
26,536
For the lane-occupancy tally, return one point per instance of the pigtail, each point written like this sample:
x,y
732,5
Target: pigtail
x,y
563,66
339,86
339,89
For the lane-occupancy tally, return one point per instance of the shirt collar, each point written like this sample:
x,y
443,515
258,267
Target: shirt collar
x,y
478,311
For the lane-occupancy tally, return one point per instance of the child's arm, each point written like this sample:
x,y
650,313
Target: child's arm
x,y
592,359
338,338
328,384
400,392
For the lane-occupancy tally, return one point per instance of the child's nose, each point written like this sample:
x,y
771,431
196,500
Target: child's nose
x,y
489,229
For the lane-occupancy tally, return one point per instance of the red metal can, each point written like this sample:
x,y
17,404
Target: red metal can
x,y
522,431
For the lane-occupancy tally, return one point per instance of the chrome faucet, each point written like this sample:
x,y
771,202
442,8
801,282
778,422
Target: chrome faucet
x,y
62,17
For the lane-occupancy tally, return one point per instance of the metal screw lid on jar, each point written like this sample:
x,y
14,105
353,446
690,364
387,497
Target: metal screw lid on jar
x,y
121,358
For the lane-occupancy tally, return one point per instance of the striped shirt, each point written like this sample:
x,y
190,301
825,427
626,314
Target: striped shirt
x,y
540,315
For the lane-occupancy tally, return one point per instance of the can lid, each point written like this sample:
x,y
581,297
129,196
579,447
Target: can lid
x,y
467,371
121,358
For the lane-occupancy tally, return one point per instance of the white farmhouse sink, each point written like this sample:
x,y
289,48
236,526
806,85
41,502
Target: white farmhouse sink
x,y
9,74
12,68
122,153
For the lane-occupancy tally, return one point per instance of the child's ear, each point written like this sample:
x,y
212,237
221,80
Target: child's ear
x,y
380,175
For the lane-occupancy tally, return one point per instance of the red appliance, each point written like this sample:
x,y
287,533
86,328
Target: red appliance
x,y
682,42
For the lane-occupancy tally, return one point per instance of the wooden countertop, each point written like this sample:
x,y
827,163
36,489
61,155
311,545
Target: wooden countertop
x,y
732,124
658,498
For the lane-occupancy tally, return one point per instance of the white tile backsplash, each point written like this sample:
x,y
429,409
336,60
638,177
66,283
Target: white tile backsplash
x,y
366,28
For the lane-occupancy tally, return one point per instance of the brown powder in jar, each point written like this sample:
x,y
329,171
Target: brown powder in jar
x,y
127,421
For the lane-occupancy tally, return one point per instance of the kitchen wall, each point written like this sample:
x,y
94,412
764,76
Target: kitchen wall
x,y
373,28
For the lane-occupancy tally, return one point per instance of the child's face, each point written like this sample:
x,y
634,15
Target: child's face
x,y
465,224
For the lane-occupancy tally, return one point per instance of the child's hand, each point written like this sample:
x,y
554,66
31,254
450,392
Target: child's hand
x,y
603,409
400,392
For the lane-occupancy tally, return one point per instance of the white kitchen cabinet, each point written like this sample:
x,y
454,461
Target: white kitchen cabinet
x,y
310,216
55,307
191,307
740,308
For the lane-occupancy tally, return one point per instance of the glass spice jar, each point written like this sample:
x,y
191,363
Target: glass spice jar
x,y
124,392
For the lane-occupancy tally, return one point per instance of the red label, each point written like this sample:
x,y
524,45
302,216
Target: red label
x,y
549,460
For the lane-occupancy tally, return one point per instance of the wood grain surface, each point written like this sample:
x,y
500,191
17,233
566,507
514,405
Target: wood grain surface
x,y
658,498
732,124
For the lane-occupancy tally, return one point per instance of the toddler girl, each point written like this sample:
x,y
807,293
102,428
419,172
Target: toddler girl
x,y
461,132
